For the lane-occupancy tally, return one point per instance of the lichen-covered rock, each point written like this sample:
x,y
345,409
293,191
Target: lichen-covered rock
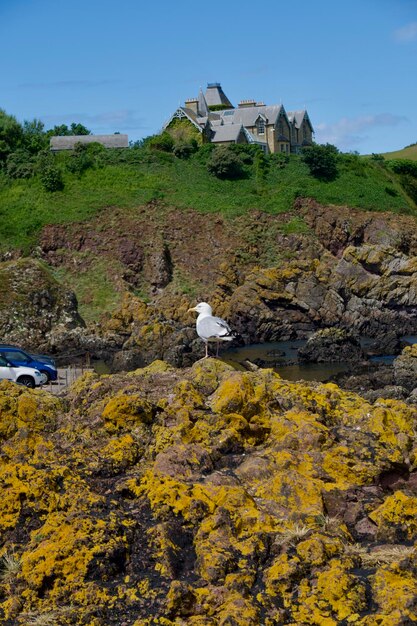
x,y
32,303
405,367
206,496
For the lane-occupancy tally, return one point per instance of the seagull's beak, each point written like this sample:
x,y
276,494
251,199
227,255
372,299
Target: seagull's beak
x,y
193,309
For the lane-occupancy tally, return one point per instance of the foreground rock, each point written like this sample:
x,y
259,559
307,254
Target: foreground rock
x,y
207,496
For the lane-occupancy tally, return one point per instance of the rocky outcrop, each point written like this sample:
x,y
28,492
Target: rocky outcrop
x,y
331,345
207,496
405,368
33,303
370,289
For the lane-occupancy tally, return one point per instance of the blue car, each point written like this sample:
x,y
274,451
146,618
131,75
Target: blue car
x,y
16,356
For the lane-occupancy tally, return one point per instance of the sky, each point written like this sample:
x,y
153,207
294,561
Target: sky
x,y
125,66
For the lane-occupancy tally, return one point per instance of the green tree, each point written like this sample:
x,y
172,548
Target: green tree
x,y
11,133
20,164
50,175
34,138
163,142
225,163
321,160
62,130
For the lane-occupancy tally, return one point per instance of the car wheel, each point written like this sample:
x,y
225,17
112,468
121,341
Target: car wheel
x,y
46,375
27,381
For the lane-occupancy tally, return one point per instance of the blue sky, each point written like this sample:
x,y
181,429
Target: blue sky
x,y
125,66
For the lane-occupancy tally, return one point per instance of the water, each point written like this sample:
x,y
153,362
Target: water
x,y
282,357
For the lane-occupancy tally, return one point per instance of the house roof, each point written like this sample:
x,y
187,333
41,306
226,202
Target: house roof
x,y
215,95
226,133
68,142
248,115
297,117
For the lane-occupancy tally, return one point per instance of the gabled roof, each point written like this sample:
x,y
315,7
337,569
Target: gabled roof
x,y
248,115
183,112
297,117
216,96
68,142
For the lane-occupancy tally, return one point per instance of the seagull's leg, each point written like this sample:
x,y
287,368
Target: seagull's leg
x,y
206,357
217,349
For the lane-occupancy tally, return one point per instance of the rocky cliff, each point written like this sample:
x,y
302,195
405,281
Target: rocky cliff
x,y
206,496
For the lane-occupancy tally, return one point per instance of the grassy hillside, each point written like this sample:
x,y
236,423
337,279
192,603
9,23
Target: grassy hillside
x,y
410,152
25,206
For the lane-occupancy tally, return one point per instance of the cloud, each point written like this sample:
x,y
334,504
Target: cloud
x,y
107,121
70,84
406,33
350,132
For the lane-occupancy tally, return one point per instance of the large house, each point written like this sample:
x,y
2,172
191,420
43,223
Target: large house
x,y
213,119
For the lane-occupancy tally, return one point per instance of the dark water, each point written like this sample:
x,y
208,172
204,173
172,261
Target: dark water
x,y
282,357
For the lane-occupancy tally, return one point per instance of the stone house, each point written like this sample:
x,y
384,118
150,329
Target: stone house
x,y
214,119
68,142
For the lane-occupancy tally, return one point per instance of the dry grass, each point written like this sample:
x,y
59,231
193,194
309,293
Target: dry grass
x,y
382,556
10,567
292,534
49,618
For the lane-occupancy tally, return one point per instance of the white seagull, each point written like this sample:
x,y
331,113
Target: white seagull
x,y
210,328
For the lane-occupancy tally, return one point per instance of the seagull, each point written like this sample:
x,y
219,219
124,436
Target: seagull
x,y
210,328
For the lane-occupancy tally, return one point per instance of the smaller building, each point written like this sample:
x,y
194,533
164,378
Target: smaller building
x,y
68,142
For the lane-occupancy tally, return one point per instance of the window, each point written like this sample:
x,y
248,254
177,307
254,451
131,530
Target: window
x,y
261,126
16,356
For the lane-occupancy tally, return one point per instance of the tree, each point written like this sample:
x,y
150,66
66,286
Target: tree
x,y
321,160
10,134
62,130
19,164
225,163
163,142
50,175
34,138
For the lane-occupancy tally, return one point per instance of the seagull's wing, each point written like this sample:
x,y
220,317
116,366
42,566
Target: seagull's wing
x,y
213,327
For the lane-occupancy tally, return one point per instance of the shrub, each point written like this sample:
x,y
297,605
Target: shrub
x,y
80,160
183,150
20,164
321,160
163,142
404,166
50,175
224,163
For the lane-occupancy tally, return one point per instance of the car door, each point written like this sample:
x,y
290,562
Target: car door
x,y
6,372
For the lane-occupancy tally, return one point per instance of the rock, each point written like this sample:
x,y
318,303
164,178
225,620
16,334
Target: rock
x,y
33,304
331,345
405,368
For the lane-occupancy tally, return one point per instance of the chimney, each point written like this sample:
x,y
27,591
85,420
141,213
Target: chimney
x,y
192,103
247,103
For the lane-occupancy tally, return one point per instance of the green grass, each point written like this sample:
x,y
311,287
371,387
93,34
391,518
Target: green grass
x,y
410,152
25,207
94,287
